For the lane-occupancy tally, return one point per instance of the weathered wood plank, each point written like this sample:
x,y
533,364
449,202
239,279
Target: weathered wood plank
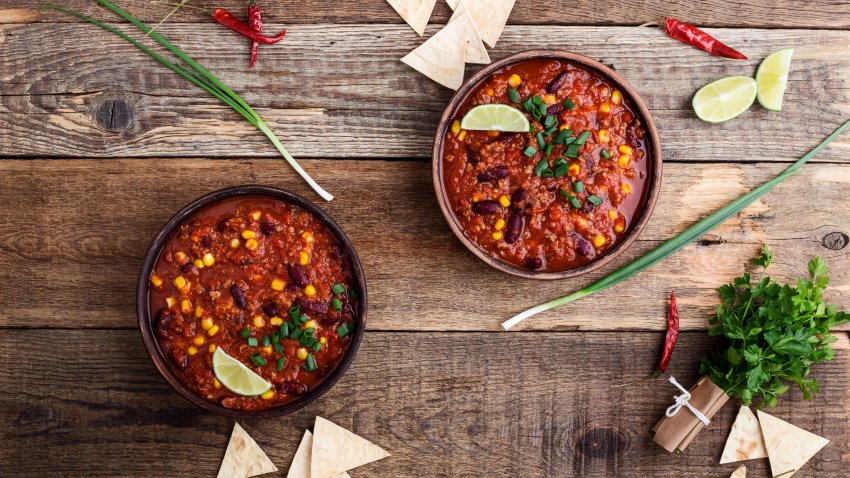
x,y
89,403
340,92
73,234
730,13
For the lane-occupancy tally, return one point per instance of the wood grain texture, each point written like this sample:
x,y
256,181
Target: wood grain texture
x,y
90,403
339,91
733,13
73,233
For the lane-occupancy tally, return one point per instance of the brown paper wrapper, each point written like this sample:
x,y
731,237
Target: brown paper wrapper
x,y
676,432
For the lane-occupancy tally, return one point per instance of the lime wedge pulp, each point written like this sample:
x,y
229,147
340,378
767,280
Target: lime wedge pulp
x,y
238,378
495,117
725,98
772,78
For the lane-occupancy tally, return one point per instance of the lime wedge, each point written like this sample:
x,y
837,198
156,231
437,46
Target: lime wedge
x,y
495,117
772,78
725,98
234,375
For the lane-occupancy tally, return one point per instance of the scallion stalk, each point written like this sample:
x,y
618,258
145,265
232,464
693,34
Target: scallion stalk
x,y
681,240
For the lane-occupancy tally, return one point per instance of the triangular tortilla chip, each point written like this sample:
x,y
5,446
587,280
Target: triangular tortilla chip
x,y
300,467
489,15
441,57
745,441
741,471
415,12
336,450
788,447
475,51
244,458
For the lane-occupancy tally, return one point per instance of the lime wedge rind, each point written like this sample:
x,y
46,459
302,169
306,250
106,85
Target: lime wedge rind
x,y
238,378
772,78
495,117
725,99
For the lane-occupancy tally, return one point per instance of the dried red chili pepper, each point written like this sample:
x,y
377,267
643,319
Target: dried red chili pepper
x,y
227,19
255,21
672,335
687,33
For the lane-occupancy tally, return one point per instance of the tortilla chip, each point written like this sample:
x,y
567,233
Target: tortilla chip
x,y
244,458
745,441
441,57
336,450
741,471
475,51
415,12
489,15
300,467
788,447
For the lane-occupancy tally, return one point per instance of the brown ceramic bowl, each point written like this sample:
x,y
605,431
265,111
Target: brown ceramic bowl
x,y
653,144
145,324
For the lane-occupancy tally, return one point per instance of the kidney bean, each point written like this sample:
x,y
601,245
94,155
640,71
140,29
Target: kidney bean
x,y
498,172
315,307
583,247
488,206
557,82
238,296
179,357
534,263
588,207
291,387
268,228
328,320
514,228
206,241
336,252
298,275
293,287
519,195
271,309
473,156
189,268
554,109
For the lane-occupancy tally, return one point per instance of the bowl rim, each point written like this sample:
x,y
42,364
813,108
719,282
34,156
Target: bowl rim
x,y
654,143
145,320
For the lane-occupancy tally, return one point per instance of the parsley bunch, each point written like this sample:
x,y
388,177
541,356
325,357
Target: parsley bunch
x,y
775,333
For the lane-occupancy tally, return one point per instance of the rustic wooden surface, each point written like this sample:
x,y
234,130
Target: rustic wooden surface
x,y
99,146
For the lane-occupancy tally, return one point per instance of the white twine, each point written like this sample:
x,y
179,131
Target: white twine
x,y
682,401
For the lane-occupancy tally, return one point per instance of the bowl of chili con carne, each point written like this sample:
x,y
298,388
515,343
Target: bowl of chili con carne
x,y
564,198
266,276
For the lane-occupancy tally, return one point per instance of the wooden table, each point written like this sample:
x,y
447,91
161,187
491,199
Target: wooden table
x,y
100,146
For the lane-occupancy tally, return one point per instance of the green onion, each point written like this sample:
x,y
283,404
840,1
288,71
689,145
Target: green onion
x,y
578,186
606,154
191,70
245,332
678,242
338,289
562,136
284,329
582,138
266,341
342,330
295,333
595,200
569,104
280,363
541,167
257,360
572,151
561,170
337,304
537,100
528,105
278,348
311,363
530,151
548,150
276,337
551,130
550,121
303,318
252,341
541,143
513,95
317,346
294,312
569,141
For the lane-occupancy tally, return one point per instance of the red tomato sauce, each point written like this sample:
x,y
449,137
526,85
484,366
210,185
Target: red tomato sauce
x,y
554,211
266,282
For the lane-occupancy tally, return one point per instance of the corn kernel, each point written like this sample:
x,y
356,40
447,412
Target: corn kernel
x,y
624,149
625,188
563,127
605,108
277,284
267,350
186,306
490,91
461,135
156,280
275,321
498,235
208,259
599,241
616,97
619,227
323,340
169,302
500,224
574,169
248,234
514,80
581,221
199,340
308,236
216,383
310,290
251,244
199,263
603,135
303,258
213,330
456,127
234,243
310,324
302,353
258,321
550,99
206,324
255,215
476,196
493,134
180,257
612,214
180,282
504,201
199,311
624,160
268,395
192,350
